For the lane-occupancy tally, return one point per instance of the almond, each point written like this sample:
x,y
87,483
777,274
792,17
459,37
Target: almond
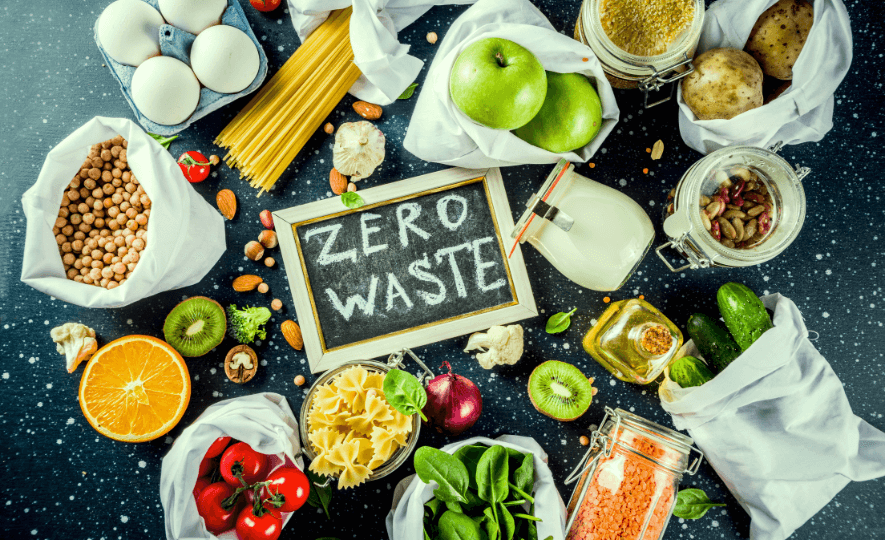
x,y
367,110
268,239
266,219
246,283
292,333
337,181
227,203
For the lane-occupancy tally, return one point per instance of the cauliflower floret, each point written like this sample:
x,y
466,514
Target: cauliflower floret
x,y
499,345
76,341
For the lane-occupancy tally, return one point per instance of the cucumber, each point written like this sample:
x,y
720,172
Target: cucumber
x,y
743,312
688,371
715,343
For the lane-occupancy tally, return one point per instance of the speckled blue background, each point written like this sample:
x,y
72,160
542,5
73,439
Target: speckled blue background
x,y
63,480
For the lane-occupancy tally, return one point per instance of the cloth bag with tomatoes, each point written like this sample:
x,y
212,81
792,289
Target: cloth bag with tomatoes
x,y
250,443
185,234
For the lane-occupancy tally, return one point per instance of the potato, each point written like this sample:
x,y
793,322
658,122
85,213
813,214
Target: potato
x,y
778,36
725,83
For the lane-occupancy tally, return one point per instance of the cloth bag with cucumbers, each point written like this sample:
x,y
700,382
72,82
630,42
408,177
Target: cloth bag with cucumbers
x,y
774,422
414,499
804,112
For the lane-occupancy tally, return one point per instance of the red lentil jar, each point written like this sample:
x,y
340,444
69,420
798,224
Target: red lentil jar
x,y
634,467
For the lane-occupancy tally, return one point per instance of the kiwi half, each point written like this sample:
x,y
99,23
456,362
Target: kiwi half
x,y
560,390
195,326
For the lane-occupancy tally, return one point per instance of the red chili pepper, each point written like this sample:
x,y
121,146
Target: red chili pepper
x,y
194,165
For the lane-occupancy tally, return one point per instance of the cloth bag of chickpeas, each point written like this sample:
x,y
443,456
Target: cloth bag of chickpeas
x,y
164,235
804,111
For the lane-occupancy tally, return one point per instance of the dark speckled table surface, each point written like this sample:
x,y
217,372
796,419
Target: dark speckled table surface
x,y
64,480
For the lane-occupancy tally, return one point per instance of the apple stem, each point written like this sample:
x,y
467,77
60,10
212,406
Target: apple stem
x,y
500,58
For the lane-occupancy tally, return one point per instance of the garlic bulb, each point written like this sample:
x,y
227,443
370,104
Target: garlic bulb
x,y
358,150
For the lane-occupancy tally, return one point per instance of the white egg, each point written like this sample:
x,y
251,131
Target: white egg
x,y
193,16
224,59
165,90
129,31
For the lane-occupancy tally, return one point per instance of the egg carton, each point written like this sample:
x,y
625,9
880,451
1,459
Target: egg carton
x,y
176,43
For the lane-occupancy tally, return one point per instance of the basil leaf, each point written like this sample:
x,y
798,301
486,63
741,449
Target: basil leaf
x,y
693,504
506,522
455,526
351,199
437,466
559,322
407,93
469,456
524,476
492,474
164,141
319,497
404,393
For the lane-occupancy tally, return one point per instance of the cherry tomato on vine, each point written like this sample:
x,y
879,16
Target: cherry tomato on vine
x,y
241,458
267,526
207,465
217,447
194,165
210,505
265,5
289,486
202,483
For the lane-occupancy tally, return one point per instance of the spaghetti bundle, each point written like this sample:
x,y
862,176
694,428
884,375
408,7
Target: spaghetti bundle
x,y
276,124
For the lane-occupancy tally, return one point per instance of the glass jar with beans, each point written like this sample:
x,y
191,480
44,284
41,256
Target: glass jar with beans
x,y
738,206
101,228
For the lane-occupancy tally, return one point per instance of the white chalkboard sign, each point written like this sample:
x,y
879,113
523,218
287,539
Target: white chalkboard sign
x,y
424,260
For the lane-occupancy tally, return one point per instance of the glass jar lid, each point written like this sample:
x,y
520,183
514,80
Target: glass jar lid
x,y
538,205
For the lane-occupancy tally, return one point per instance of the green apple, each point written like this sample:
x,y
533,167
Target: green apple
x,y
498,83
571,115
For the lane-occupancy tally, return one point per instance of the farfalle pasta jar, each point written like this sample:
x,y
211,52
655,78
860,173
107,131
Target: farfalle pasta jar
x,y
627,481
645,44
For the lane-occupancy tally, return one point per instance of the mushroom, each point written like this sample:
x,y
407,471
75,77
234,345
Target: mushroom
x,y
499,345
241,364
358,150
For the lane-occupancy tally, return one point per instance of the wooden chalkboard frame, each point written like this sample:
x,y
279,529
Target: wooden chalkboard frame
x,y
321,359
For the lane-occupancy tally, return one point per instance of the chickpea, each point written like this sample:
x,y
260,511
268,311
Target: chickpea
x,y
95,273
73,195
138,244
106,154
87,260
76,219
147,212
97,193
107,258
130,267
97,205
99,223
131,225
63,212
96,254
141,219
78,279
117,198
60,239
56,230
92,243
66,248
97,264
87,280
112,285
126,176
115,150
122,219
104,282
65,202
125,204
84,174
110,246
118,277
93,233
89,200
104,232
108,189
95,173
68,259
85,228
107,203
77,245
122,155
119,241
118,140
116,182
72,208
130,238
131,213
79,235
115,260
130,187
67,230
113,212
140,233
88,218
78,264
145,201
134,256
85,270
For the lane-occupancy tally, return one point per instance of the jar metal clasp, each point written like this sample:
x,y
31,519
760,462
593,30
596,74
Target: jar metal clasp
x,y
801,170
678,228
395,360
658,79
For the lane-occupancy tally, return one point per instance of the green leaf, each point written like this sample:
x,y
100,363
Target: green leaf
x,y
506,522
319,497
454,507
559,322
455,526
433,505
491,475
407,93
473,500
469,456
405,393
524,476
351,199
491,523
164,141
437,466
426,536
693,504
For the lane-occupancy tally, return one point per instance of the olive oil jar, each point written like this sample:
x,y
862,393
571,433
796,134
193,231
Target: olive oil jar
x,y
633,340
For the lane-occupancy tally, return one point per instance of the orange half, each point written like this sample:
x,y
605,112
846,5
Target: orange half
x,y
135,389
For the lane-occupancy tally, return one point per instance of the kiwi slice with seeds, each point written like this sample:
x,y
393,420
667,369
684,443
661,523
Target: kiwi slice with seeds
x,y
195,326
560,390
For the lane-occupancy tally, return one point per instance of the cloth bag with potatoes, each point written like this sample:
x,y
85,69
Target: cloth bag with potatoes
x,y
728,101
440,132
185,235
776,425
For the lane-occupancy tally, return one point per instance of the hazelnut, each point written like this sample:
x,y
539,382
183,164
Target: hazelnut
x,y
267,238
254,250
432,37
329,128
214,160
263,288
276,305
269,262
299,380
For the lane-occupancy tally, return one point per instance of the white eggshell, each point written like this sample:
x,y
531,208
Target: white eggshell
x,y
165,90
193,16
129,31
224,59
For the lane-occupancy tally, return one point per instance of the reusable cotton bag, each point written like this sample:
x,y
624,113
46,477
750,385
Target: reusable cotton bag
x,y
441,133
804,112
406,518
263,421
777,427
185,236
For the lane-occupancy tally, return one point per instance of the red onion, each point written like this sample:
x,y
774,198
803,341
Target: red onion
x,y
453,403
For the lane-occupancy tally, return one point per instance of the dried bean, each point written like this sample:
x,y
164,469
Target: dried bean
x,y
728,243
734,213
715,231
755,211
705,200
738,225
727,228
733,206
750,229
741,172
713,208
705,219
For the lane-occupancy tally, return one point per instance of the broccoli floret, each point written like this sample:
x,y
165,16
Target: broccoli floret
x,y
245,324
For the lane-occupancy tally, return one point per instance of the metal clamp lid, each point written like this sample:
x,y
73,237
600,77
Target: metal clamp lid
x,y
658,79
395,360
801,170
538,206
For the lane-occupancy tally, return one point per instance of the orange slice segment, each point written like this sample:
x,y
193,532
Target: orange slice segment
x,y
135,389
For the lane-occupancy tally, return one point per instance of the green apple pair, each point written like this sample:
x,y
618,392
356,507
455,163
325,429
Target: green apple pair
x,y
500,84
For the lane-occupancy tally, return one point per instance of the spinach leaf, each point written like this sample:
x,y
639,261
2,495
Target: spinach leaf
x,y
693,504
426,536
559,322
491,523
455,526
404,392
319,497
351,199
469,456
491,475
473,500
532,528
164,141
524,476
454,507
407,93
506,522
435,465
433,505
